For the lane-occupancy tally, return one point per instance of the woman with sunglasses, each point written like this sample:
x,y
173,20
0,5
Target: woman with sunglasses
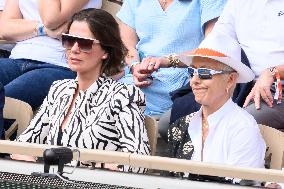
x,y
38,59
92,111
221,131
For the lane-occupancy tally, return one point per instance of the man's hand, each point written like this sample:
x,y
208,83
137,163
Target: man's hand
x,y
261,89
142,72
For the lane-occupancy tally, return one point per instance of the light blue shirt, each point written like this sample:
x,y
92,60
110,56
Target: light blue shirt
x,y
178,29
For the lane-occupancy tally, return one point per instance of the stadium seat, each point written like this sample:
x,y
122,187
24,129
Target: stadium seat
x,y
152,132
274,140
19,111
111,7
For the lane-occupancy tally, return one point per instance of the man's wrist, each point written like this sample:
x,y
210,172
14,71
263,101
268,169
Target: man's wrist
x,y
274,72
278,85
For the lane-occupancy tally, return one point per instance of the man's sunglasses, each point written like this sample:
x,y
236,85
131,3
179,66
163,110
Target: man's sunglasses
x,y
85,44
205,73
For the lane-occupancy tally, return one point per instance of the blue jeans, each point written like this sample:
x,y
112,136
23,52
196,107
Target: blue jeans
x,y
30,80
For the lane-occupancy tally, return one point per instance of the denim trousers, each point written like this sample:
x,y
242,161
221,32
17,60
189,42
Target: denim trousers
x,y
30,80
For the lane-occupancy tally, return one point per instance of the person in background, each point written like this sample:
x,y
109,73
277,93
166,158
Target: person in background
x,y
38,57
259,33
92,111
221,131
2,103
3,53
152,30
261,39
5,49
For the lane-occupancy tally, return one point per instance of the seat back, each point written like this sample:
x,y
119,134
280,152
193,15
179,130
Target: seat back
x,y
20,111
2,41
111,7
274,140
152,132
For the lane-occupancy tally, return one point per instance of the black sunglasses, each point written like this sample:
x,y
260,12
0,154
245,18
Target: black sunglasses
x,y
205,73
85,44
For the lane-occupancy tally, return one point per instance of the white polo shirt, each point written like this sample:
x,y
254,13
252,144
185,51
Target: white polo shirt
x,y
258,25
233,137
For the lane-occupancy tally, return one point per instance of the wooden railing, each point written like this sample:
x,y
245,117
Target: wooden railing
x,y
153,162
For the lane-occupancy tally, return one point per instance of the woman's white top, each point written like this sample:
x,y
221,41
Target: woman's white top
x,y
42,48
233,138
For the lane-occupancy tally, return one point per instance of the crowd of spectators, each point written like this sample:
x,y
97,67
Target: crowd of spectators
x,y
184,55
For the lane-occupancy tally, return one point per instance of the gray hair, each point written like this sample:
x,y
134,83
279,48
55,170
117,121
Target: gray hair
x,y
229,69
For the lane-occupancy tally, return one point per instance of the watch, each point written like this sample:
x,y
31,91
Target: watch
x,y
40,30
273,71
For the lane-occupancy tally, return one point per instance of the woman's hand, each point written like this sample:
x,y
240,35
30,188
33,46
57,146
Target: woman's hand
x,y
261,89
23,157
142,72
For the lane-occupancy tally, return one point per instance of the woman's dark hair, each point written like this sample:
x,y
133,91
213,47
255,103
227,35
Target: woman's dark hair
x,y
105,28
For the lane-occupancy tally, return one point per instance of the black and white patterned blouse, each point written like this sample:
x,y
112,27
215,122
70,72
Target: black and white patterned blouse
x,y
107,116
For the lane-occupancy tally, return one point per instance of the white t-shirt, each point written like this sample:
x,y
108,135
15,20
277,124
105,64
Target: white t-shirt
x,y
2,3
42,48
233,137
7,47
258,26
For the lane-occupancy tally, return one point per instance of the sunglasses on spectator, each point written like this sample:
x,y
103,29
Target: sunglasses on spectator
x,y
205,73
85,44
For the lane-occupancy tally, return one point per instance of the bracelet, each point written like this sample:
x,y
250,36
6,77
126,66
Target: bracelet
x,y
132,64
40,30
174,61
278,85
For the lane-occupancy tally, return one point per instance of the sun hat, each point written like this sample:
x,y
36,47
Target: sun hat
x,y
223,48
